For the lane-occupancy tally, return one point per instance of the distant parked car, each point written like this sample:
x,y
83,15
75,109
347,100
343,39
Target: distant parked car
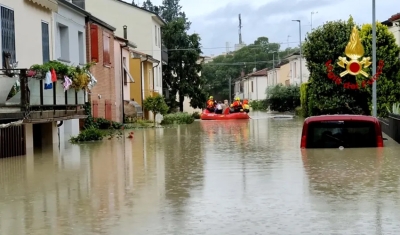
x,y
348,131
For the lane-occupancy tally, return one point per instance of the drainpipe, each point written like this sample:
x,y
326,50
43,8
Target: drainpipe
x,y
122,72
153,73
142,77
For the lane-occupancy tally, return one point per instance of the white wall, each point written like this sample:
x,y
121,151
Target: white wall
x,y
28,19
260,84
295,71
68,49
273,76
67,46
396,32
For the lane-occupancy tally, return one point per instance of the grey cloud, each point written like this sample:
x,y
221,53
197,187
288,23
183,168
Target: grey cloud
x,y
274,20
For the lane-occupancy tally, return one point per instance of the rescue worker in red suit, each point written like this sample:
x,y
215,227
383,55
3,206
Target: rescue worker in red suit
x,y
236,106
210,104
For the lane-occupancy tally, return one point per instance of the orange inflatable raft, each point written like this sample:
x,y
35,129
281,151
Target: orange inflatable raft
x,y
207,115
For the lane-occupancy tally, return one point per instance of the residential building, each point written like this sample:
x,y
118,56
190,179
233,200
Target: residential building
x,y
123,77
393,24
273,76
142,66
294,60
144,29
70,48
49,115
102,50
284,73
255,85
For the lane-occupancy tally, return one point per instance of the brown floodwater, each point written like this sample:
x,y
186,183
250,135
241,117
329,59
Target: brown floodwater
x,y
232,177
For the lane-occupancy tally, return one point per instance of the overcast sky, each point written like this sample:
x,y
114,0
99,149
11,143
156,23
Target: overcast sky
x,y
217,21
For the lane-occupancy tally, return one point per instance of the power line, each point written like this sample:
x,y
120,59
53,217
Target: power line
x,y
211,48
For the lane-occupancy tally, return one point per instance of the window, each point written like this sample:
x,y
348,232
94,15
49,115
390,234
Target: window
x,y
81,48
45,42
155,33
7,34
252,86
94,43
349,134
125,73
106,49
64,42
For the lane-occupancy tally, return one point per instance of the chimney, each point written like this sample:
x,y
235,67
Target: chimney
x,y
125,32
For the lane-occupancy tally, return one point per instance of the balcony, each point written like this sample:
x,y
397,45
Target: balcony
x,y
34,104
164,54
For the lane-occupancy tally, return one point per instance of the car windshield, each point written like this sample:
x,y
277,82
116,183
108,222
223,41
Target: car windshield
x,y
349,134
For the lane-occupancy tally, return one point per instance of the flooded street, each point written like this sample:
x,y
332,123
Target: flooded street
x,y
232,177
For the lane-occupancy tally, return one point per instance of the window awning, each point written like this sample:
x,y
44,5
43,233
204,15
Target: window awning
x,y
49,4
127,72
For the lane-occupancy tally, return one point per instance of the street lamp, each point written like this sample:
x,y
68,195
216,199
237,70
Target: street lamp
x,y
301,69
374,107
312,13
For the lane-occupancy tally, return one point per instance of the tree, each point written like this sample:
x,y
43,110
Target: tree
x,y
283,98
257,55
328,42
156,105
181,75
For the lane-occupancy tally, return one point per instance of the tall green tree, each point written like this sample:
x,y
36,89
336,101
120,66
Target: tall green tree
x,y
328,42
258,55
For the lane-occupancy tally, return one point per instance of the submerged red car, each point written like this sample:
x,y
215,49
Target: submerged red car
x,y
335,131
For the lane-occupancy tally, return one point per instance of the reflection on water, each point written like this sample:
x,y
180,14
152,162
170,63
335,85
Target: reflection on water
x,y
211,177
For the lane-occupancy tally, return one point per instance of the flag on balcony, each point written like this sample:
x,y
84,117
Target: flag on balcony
x,y
67,83
48,84
53,76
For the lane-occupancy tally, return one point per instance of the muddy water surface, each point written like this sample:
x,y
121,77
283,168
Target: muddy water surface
x,y
234,177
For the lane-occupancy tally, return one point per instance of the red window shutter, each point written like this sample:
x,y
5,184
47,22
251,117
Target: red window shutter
x,y
106,49
94,43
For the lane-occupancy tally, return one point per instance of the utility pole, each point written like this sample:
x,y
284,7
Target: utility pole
x,y
312,13
240,30
301,67
374,105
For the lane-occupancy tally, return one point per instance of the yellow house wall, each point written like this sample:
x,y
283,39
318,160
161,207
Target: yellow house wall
x,y
136,87
284,73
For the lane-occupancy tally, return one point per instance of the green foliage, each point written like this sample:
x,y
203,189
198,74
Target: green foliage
x,y
256,55
90,134
303,100
388,84
155,104
328,42
103,124
259,105
89,121
180,75
177,118
283,98
395,109
196,115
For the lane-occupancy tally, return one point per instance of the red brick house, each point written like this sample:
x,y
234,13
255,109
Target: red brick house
x,y
100,49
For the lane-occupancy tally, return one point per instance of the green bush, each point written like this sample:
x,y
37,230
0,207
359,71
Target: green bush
x,y
303,100
90,134
196,115
177,118
283,98
105,124
155,104
328,42
257,105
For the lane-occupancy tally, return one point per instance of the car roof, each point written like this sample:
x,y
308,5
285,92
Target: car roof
x,y
341,117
